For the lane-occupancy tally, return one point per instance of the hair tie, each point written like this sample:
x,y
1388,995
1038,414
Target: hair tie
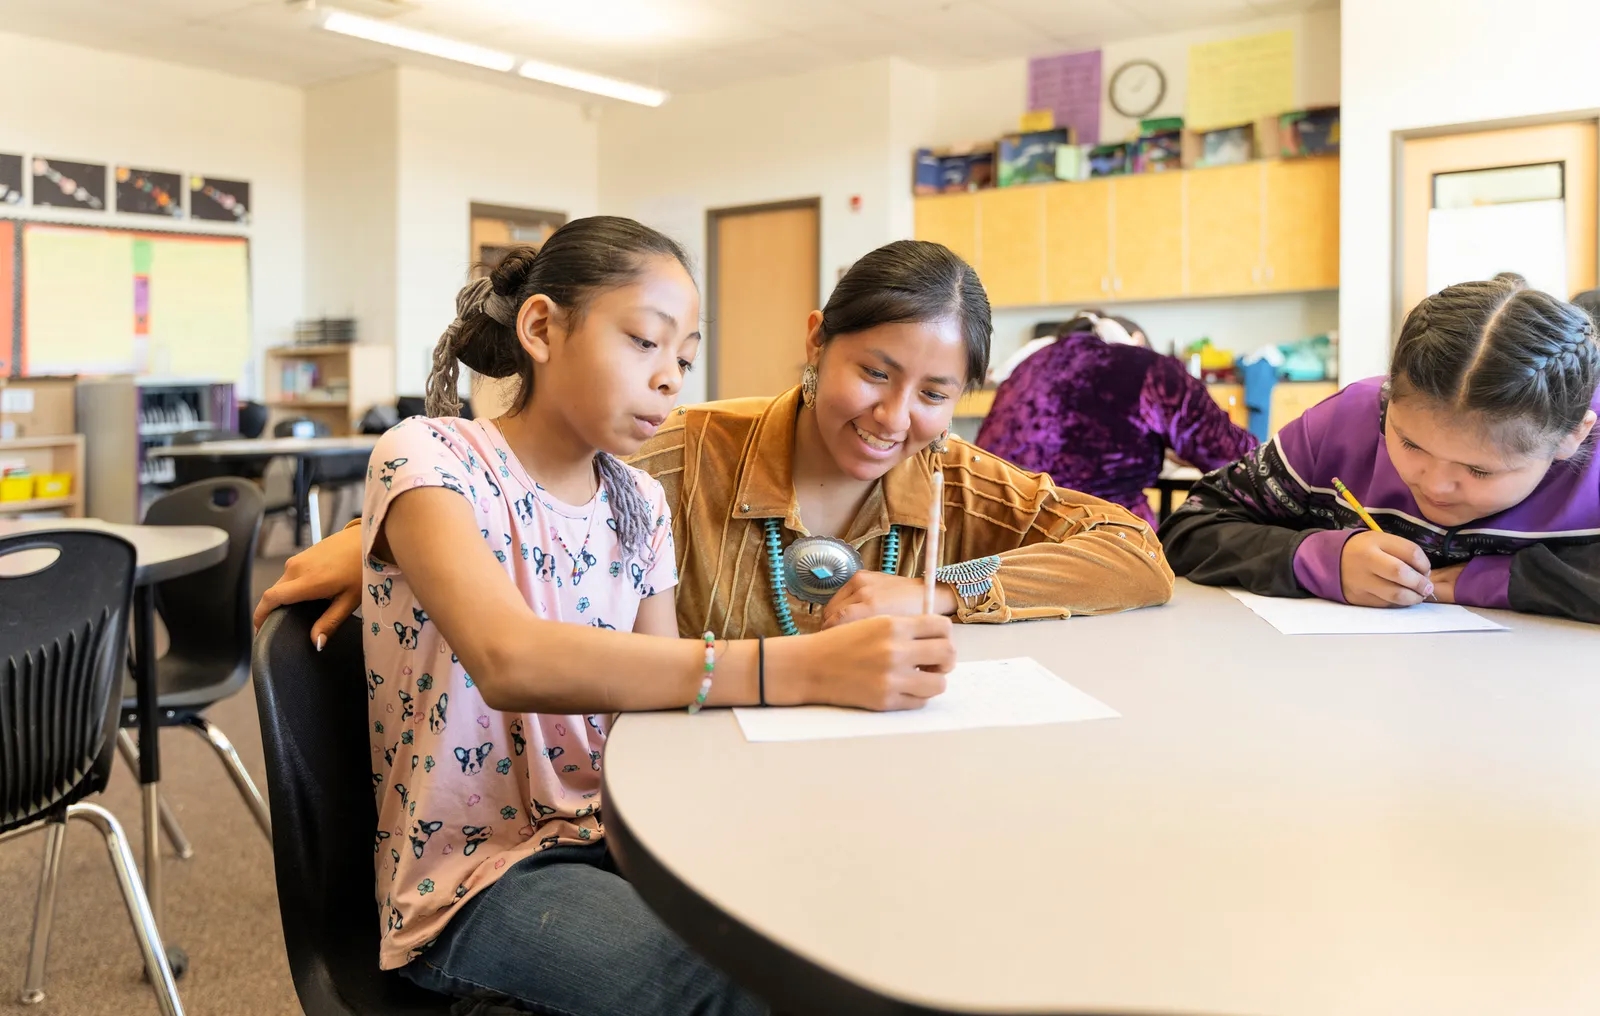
x,y
501,309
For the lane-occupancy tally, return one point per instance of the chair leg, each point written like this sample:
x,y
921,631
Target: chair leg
x,y
241,776
169,821
44,909
144,923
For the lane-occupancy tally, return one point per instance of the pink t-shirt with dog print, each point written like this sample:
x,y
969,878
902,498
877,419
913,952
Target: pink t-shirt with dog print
x,y
464,791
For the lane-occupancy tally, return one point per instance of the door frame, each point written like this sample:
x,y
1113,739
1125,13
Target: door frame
x,y
713,217
1397,163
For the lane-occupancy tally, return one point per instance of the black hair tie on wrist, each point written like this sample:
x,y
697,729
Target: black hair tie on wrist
x,y
761,668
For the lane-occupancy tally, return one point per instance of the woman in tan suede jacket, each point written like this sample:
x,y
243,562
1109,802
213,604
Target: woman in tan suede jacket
x,y
850,454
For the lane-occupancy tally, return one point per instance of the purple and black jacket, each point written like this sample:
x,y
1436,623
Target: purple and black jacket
x,y
1272,523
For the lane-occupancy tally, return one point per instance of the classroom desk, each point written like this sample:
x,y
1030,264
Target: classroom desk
x,y
160,553
302,449
1304,826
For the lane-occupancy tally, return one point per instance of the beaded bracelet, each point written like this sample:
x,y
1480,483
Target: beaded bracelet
x,y
971,578
705,682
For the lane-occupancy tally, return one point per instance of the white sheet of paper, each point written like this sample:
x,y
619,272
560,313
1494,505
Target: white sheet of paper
x,y
1018,692
1324,617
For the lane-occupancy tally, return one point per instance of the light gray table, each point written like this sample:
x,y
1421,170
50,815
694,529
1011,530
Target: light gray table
x,y
302,449
160,553
1277,826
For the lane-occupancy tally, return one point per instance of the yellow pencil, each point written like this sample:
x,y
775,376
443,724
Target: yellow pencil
x,y
1350,499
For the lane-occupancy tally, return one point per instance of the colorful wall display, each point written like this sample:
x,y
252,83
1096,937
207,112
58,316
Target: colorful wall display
x,y
219,200
149,192
10,179
58,183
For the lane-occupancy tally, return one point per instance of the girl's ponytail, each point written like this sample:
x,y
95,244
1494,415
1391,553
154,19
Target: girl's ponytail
x,y
484,332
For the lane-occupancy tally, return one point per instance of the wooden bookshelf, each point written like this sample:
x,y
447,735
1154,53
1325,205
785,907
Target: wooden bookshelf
x,y
349,380
62,454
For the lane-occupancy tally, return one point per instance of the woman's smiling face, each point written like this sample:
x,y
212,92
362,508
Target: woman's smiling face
x,y
885,393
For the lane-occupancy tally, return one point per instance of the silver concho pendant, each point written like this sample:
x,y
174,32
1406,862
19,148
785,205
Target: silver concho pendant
x,y
814,567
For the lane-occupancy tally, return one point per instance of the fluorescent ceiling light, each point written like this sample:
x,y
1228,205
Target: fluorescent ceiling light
x,y
583,81
417,42
389,34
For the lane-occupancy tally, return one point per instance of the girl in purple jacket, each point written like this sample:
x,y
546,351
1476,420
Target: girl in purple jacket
x,y
1474,457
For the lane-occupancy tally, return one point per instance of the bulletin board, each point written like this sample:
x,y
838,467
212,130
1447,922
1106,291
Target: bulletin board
x,y
8,295
118,301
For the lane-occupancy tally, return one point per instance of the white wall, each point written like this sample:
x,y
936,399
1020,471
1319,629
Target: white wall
x,y
459,142
352,197
93,106
824,134
1242,325
1430,63
981,102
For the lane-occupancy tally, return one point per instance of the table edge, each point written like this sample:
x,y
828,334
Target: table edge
x,y
786,980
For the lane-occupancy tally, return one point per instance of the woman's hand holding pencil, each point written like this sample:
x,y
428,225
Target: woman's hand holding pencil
x,y
1379,569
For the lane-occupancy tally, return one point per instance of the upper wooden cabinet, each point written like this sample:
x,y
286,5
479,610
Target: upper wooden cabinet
x,y
1011,244
1077,242
950,219
1225,209
1261,227
1302,246
1147,236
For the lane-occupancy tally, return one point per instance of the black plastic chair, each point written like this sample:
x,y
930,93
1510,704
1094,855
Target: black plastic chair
x,y
252,418
313,709
186,470
207,615
65,597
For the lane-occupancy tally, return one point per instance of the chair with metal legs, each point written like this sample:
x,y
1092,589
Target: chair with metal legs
x,y
207,615
65,598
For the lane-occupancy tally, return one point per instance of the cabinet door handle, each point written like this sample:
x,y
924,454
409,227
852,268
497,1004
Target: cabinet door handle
x,y
1269,273
1117,284
1255,275
1105,283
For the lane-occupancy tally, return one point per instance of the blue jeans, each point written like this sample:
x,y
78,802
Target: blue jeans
x,y
564,934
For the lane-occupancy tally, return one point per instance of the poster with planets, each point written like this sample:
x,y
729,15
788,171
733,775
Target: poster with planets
x,y
219,200
149,192
10,179
62,184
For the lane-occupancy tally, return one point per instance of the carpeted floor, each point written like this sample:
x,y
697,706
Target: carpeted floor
x,y
221,905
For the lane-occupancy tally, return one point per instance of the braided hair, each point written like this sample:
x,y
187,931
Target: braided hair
x,y
582,258
1526,362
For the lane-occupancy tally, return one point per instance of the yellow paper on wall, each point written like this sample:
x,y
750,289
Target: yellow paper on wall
x,y
199,308
1237,81
77,300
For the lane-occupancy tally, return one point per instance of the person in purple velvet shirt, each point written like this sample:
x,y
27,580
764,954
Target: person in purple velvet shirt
x,y
1098,410
1474,456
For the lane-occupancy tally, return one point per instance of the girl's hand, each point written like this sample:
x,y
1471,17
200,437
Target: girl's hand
x,y
1383,570
881,663
1444,582
330,570
873,594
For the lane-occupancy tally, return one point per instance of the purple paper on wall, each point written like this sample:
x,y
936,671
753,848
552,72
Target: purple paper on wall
x,y
1069,84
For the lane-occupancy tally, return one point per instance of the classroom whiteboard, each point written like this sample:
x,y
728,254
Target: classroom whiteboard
x,y
124,301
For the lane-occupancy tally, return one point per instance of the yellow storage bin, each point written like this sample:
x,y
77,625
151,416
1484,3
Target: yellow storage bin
x,y
16,488
52,485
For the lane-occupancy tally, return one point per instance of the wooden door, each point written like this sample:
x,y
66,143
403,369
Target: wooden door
x,y
1147,236
1302,225
1225,219
1077,242
1011,245
950,219
765,278
1572,145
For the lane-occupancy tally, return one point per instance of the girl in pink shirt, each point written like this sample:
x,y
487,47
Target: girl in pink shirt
x,y
518,592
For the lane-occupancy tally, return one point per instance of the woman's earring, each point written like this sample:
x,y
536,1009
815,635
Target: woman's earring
x,y
808,386
941,444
